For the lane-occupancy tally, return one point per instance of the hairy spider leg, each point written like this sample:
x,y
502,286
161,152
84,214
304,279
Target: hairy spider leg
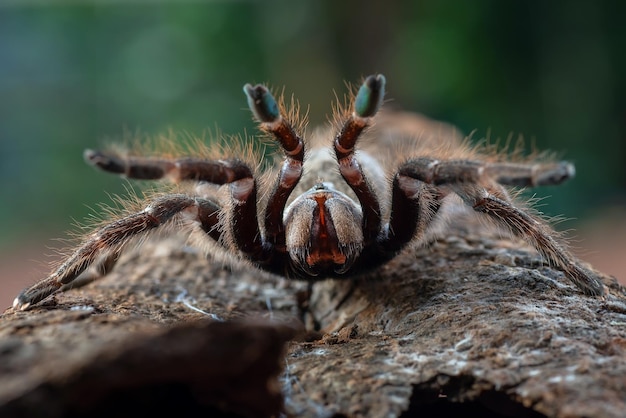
x,y
111,237
265,109
234,172
100,268
414,205
526,226
366,104
512,174
468,180
180,169
530,175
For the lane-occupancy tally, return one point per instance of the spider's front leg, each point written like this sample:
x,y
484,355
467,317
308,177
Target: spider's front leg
x,y
107,241
366,104
266,111
413,205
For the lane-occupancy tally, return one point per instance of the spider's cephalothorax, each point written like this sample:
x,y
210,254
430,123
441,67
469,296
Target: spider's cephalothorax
x,y
348,213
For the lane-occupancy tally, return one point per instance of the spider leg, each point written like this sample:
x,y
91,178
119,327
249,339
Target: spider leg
x,y
145,168
530,228
414,205
99,269
530,175
234,172
110,239
513,174
467,179
366,103
265,109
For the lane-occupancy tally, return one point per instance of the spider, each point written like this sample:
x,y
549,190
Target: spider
x,y
349,212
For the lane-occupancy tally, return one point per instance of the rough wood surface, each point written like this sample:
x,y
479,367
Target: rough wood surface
x,y
471,323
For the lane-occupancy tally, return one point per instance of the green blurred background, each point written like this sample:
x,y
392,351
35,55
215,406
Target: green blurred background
x,y
76,73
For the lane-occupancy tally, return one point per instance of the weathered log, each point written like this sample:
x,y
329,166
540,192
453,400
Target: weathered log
x,y
471,323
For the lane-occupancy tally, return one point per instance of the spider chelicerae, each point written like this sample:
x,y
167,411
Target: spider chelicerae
x,y
326,211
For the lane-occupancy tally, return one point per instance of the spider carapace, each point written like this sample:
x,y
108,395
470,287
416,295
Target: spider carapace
x,y
326,209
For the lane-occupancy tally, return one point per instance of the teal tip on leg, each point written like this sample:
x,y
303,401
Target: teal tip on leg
x,y
370,96
261,103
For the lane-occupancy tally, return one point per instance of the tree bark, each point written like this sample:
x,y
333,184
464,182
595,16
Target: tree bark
x,y
471,323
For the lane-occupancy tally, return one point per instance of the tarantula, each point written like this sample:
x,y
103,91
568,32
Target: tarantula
x,y
326,229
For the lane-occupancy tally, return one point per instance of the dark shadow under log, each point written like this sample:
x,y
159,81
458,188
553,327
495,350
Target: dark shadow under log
x,y
471,324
